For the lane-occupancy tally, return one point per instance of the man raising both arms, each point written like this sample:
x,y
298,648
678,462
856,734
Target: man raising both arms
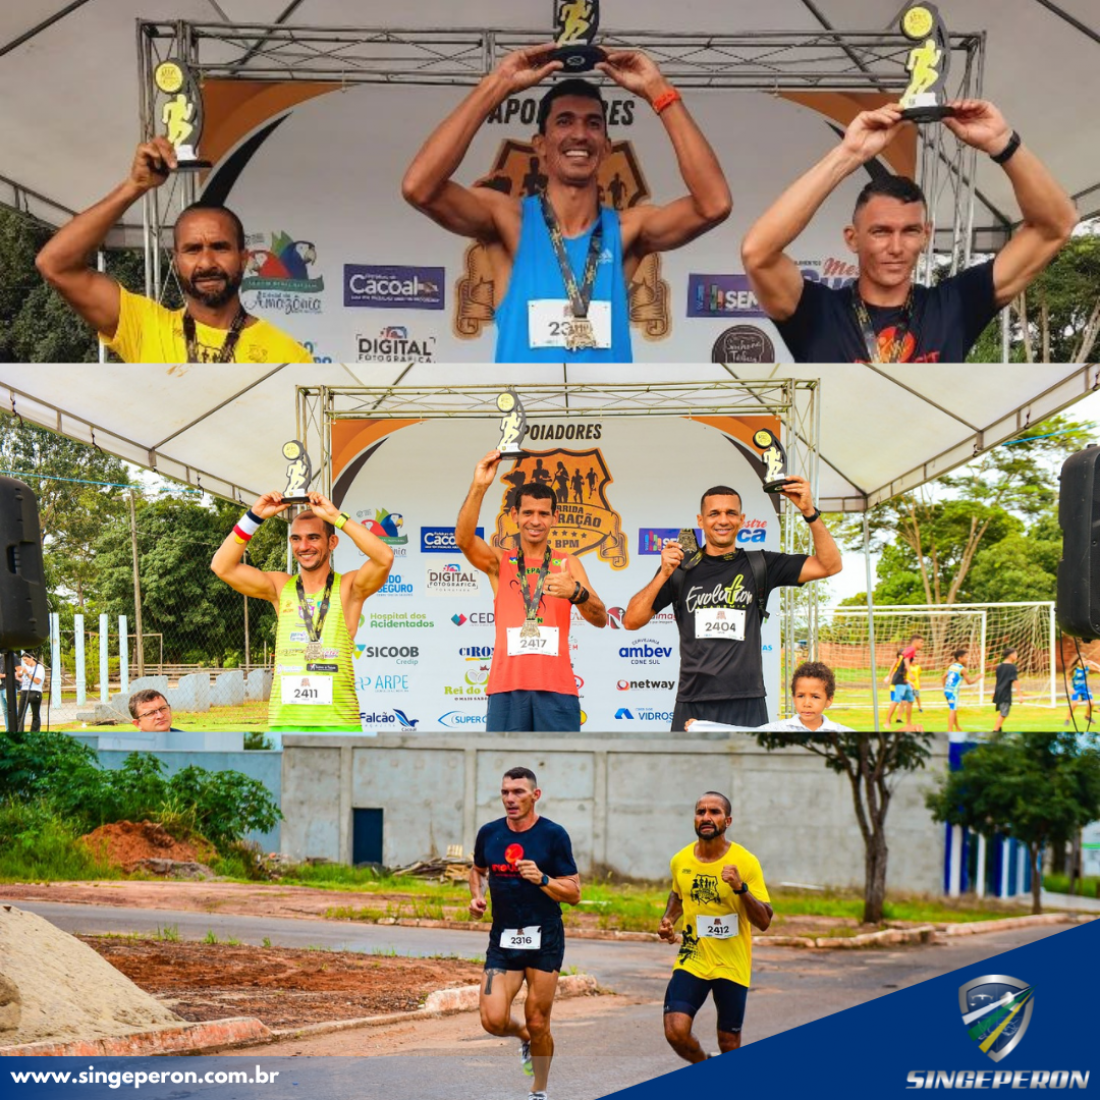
x,y
561,262
884,317
528,861
314,688
209,257
718,888
531,686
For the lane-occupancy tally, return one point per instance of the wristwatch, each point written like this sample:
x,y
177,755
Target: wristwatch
x,y
815,517
744,888
545,880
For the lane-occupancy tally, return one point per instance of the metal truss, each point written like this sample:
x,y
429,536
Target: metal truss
x,y
795,402
765,61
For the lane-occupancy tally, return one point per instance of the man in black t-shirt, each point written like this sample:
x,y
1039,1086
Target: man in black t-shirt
x,y
884,317
528,861
719,606
1007,675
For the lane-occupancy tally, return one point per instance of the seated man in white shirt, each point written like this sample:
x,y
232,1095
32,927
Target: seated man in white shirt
x,y
813,686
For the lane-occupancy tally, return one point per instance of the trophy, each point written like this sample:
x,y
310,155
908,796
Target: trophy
x,y
182,112
298,474
513,424
775,460
575,25
928,63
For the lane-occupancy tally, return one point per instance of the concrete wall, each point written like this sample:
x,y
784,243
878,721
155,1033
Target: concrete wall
x,y
626,801
264,766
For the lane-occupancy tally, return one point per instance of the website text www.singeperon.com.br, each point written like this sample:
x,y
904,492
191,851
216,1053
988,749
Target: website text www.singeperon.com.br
x,y
116,1079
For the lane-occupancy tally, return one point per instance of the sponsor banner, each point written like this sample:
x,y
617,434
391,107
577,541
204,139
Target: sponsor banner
x,y
452,579
386,286
441,540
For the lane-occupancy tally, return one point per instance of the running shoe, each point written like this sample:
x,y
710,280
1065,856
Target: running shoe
x,y
528,1066
536,1096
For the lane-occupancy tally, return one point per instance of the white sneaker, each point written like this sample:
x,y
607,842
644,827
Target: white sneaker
x,y
525,1058
536,1096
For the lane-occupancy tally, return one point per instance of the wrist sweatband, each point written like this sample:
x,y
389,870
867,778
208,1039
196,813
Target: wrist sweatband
x,y
246,527
1008,151
814,517
665,99
341,519
580,594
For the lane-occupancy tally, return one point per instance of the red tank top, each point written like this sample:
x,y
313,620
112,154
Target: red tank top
x,y
532,671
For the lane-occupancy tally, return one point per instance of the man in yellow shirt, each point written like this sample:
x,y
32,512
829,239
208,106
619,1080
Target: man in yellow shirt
x,y
718,889
209,256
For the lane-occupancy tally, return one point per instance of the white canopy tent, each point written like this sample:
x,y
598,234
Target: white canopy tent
x,y
70,89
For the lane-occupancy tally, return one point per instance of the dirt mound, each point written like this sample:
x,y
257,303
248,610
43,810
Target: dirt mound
x,y
56,987
127,844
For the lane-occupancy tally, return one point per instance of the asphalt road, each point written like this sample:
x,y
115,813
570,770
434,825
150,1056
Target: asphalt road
x,y
604,1044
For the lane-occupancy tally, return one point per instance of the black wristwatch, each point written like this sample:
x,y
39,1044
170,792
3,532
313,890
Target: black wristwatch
x,y
1008,151
744,888
545,879
815,517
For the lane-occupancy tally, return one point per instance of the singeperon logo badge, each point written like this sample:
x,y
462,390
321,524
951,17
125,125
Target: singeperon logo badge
x,y
996,1011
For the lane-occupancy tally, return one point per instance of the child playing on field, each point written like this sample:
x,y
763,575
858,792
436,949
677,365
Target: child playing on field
x,y
1007,675
1080,687
914,683
889,681
953,676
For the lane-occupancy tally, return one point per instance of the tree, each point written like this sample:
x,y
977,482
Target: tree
x,y
1057,319
1019,567
1037,787
872,762
77,490
930,539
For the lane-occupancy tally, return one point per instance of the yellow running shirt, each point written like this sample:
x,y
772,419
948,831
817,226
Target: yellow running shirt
x,y
150,333
727,952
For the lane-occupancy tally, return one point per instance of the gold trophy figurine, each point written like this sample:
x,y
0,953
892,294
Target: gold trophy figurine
x,y
298,474
513,424
575,25
925,100
181,113
774,459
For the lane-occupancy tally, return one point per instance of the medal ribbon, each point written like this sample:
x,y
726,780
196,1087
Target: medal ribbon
x,y
870,337
305,612
228,348
579,296
531,602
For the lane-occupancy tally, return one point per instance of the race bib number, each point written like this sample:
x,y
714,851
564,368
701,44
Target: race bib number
x,y
521,939
720,622
717,928
307,691
546,643
550,322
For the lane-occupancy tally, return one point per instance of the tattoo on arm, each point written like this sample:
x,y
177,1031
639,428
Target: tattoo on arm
x,y
489,975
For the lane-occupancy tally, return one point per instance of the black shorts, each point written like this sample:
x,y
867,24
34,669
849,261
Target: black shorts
x,y
686,993
733,712
548,957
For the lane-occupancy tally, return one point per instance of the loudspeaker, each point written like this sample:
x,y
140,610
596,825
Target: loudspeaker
x,y
24,615
1078,606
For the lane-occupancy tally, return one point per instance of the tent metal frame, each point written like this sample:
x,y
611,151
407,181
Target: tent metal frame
x,y
765,61
794,402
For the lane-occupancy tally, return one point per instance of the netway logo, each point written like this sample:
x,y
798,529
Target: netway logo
x,y
645,685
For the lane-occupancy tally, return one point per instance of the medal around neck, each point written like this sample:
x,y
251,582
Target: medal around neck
x,y
774,459
925,100
298,474
575,25
513,424
181,112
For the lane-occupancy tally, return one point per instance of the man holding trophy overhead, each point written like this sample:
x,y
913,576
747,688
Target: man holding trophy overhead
x,y
531,686
884,317
314,685
562,262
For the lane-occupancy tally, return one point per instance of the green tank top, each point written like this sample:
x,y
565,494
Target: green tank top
x,y
300,689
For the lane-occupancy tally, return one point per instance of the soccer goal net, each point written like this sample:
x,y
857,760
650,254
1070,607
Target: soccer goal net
x,y
984,631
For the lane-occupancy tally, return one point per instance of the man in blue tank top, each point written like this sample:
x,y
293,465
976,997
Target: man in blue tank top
x,y
561,262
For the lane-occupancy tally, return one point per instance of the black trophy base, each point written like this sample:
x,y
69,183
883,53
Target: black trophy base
x,y
928,114
296,500
769,486
579,58
514,453
193,165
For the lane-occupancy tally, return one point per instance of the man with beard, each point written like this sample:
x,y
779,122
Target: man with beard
x,y
531,686
720,597
528,862
314,687
561,262
718,889
884,317
209,256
